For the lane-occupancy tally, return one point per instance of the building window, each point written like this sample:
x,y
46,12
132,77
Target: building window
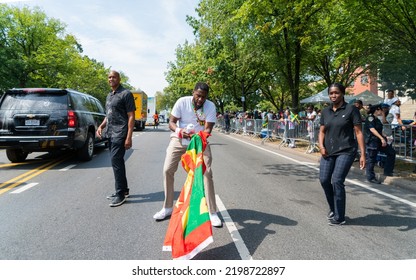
x,y
364,79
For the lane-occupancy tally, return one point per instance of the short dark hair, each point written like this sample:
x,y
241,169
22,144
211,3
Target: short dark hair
x,y
202,86
358,101
115,72
374,108
339,86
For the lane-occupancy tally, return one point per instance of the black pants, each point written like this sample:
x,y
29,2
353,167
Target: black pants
x,y
371,162
332,173
117,151
390,159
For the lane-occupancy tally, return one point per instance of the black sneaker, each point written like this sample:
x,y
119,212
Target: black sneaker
x,y
374,181
112,196
117,201
330,215
333,222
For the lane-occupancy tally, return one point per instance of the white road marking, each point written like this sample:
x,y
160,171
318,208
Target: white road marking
x,y
24,188
355,182
68,167
365,186
232,229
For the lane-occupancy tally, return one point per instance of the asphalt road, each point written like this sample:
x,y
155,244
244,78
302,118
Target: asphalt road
x,y
271,200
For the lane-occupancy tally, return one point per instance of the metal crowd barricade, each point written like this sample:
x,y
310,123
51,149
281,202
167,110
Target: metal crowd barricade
x,y
249,127
307,132
237,125
404,142
220,124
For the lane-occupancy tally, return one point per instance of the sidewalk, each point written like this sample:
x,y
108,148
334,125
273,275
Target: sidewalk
x,y
405,178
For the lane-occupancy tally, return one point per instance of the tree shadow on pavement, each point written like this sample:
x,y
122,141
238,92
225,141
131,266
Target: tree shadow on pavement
x,y
303,172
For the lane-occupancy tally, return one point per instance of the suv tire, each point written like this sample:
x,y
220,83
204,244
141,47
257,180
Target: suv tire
x,y
16,155
87,151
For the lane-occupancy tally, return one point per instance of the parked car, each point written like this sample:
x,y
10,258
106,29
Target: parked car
x,y
49,119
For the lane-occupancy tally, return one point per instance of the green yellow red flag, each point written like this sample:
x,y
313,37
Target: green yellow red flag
x,y
189,230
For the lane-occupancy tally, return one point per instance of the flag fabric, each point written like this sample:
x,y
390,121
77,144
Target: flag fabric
x,y
189,230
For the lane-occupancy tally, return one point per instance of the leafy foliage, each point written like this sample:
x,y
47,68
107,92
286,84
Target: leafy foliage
x,y
274,52
36,51
260,54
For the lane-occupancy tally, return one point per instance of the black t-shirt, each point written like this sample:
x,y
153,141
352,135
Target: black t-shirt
x,y
371,140
339,129
118,104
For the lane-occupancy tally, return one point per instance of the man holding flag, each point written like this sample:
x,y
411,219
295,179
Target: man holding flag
x,y
190,115
189,230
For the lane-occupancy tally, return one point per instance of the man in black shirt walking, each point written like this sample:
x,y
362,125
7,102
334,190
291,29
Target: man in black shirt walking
x,y
119,124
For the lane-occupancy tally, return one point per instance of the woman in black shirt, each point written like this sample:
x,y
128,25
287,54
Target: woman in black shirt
x,y
338,146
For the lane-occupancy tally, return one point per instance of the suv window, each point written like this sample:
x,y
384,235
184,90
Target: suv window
x,y
85,103
78,102
34,101
100,108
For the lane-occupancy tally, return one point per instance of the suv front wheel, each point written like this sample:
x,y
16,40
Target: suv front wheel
x,y
16,155
87,151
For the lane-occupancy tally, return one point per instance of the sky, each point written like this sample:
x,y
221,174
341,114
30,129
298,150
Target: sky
x,y
136,37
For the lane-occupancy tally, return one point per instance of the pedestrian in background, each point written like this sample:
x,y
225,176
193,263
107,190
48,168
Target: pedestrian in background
x,y
155,120
395,111
201,113
389,99
386,118
363,112
119,125
374,141
338,124
227,121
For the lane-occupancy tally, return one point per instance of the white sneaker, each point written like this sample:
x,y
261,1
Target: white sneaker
x,y
215,220
162,214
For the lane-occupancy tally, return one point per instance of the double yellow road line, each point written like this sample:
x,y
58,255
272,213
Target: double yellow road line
x,y
23,178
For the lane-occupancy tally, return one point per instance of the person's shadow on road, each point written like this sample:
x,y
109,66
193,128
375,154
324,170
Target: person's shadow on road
x,y
384,220
252,226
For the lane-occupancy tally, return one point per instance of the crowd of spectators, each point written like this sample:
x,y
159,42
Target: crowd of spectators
x,y
389,116
305,113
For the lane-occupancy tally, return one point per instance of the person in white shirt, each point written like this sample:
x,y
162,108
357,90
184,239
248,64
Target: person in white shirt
x,y
390,95
200,113
395,111
311,116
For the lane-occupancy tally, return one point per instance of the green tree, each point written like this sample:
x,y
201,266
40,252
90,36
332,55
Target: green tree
x,y
225,54
340,46
32,46
287,27
394,19
395,24
397,71
271,51
180,74
36,51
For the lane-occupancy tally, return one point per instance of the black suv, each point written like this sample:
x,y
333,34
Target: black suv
x,y
48,119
